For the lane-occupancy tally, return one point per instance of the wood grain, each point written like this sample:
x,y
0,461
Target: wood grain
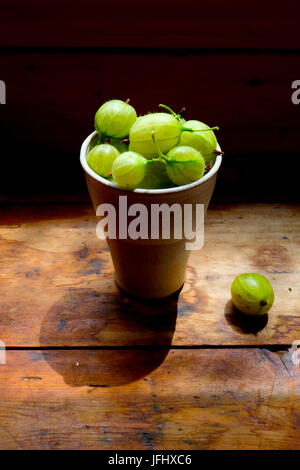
x,y
154,24
57,288
248,96
190,399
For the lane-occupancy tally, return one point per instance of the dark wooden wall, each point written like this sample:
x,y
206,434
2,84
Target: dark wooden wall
x,y
230,63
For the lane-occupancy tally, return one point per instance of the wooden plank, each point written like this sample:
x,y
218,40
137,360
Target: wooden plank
x,y
57,289
55,97
237,92
184,399
156,24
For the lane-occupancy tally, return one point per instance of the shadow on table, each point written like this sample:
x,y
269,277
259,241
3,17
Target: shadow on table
x,y
124,338
244,323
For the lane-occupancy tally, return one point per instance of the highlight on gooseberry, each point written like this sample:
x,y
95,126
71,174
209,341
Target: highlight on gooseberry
x,y
114,119
184,164
129,170
252,294
100,159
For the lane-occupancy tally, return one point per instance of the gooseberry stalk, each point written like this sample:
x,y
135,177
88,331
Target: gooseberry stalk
x,y
184,164
178,117
163,157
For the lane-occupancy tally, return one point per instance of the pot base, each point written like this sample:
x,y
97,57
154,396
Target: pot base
x,y
147,295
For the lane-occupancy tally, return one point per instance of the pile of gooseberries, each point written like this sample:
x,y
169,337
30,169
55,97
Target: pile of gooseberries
x,y
154,151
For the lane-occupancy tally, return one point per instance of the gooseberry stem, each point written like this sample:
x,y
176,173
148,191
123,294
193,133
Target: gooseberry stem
x,y
161,155
216,128
176,116
127,101
102,138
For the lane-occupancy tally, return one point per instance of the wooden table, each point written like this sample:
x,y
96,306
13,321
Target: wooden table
x,y
89,368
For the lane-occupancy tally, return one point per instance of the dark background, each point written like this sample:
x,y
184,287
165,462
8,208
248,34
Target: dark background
x,y
229,63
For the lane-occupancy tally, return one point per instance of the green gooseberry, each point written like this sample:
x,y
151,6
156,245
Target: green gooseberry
x,y
202,139
184,164
166,128
100,159
129,170
252,294
114,119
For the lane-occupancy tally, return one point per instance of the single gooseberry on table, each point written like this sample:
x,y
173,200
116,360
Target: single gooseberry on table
x,y
252,294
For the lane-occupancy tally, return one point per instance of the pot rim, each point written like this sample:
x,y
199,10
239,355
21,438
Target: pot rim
x,y
177,189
